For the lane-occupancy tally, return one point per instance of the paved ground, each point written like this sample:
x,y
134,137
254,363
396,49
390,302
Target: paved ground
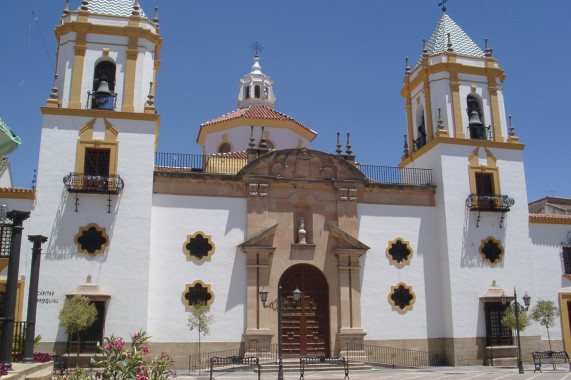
x,y
475,373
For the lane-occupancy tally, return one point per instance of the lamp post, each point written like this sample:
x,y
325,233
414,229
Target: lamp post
x,y
278,305
526,301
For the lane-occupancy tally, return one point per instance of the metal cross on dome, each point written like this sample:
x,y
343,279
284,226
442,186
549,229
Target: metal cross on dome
x,y
256,47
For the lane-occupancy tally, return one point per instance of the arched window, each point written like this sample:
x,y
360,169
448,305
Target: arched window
x,y
421,129
247,92
104,86
476,121
257,91
224,148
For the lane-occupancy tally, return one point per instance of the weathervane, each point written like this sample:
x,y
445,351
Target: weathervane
x,y
443,5
257,47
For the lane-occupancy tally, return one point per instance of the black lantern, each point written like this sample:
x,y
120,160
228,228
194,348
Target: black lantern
x,y
263,295
297,295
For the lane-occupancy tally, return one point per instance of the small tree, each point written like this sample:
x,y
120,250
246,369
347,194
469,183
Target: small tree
x,y
545,312
509,319
78,314
201,319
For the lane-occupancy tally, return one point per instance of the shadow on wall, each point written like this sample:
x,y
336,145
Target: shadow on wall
x,y
478,227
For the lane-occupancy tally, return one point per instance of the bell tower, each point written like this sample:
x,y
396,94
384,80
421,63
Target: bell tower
x,y
96,158
454,90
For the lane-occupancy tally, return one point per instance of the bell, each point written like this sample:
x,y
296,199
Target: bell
x,y
474,119
103,88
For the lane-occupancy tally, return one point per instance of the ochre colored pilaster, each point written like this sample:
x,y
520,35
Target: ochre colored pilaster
x,y
77,77
456,108
428,104
130,74
495,108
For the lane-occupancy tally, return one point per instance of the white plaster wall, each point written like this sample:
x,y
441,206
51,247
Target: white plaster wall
x,y
123,270
174,218
283,138
378,225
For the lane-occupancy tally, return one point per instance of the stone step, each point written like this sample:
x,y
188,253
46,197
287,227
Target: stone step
x,y
23,371
44,374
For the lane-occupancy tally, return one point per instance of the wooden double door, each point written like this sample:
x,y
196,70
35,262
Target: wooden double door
x,y
305,325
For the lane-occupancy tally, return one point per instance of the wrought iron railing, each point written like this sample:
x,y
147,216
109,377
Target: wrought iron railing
x,y
5,239
82,183
501,203
18,339
394,357
201,362
396,175
232,163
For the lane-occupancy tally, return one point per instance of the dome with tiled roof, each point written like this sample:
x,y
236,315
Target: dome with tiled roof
x,y
123,8
461,43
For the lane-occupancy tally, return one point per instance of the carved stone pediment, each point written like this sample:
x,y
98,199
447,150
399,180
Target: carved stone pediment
x,y
347,242
261,241
303,164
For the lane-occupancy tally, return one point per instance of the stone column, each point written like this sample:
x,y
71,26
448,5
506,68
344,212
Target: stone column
x,y
17,218
38,240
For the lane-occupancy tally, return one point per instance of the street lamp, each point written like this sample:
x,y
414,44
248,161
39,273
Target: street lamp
x,y
526,301
278,305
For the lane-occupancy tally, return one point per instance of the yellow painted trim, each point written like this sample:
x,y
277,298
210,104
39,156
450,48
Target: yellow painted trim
x,y
187,289
8,193
243,121
564,298
456,108
411,303
84,229
499,243
428,107
495,109
100,114
130,75
409,118
19,315
77,76
544,220
192,257
404,262
109,30
86,141
456,141
491,168
425,71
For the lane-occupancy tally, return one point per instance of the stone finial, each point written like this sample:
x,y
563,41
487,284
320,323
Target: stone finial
x,y
89,279
473,88
488,51
440,121
338,150
263,144
405,152
136,9
85,5
348,146
156,18
302,232
512,129
450,49
150,96
66,9
251,144
407,67
54,94
424,48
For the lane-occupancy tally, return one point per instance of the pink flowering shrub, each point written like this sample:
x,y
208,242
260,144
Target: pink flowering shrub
x,y
115,362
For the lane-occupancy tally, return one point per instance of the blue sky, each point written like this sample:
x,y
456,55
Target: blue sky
x,y
337,66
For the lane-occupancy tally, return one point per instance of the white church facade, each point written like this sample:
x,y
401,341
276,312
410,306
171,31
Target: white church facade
x,y
416,256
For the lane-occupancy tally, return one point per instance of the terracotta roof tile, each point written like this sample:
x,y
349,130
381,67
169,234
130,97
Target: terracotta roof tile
x,y
15,190
258,112
550,218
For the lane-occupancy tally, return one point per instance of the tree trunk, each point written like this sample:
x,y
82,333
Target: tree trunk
x,y
199,356
78,346
548,338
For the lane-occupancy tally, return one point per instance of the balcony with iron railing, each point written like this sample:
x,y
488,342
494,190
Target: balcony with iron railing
x,y
85,183
232,163
497,203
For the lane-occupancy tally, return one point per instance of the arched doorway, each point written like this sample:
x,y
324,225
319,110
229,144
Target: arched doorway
x,y
306,326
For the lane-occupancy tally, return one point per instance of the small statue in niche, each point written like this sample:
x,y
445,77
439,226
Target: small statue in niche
x,y
421,140
475,119
301,232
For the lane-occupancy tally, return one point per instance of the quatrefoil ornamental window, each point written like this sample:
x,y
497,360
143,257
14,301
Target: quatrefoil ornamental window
x,y
198,247
198,291
91,240
399,252
491,250
401,297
